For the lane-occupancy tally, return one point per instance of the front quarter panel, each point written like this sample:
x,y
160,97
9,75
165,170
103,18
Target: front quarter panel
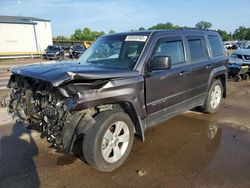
x,y
114,91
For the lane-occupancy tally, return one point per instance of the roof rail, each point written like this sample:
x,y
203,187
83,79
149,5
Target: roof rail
x,y
193,28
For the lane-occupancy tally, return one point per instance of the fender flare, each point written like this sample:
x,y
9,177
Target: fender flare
x,y
222,70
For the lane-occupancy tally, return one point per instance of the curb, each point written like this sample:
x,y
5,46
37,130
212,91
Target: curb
x,y
3,88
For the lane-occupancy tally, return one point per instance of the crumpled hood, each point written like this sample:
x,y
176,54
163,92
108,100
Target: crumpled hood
x,y
59,73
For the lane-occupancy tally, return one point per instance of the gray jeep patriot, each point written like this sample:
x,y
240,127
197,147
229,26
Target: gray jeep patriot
x,y
123,84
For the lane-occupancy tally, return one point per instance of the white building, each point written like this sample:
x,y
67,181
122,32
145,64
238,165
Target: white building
x,y
24,35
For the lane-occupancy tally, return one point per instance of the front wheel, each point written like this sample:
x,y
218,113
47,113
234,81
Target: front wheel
x,y
214,98
107,144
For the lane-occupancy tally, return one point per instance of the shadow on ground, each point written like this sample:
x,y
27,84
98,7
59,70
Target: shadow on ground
x,y
17,167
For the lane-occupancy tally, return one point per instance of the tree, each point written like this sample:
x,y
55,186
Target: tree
x,y
142,29
60,37
77,35
203,25
94,35
86,34
247,37
240,33
225,36
111,31
167,25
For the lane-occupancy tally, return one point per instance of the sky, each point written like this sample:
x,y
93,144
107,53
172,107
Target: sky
x,y
125,15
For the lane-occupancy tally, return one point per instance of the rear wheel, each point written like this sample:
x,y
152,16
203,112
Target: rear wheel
x,y
107,144
214,97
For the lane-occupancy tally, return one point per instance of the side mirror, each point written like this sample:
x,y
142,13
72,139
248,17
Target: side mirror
x,y
160,62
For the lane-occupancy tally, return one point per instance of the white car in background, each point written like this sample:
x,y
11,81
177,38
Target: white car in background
x,y
228,45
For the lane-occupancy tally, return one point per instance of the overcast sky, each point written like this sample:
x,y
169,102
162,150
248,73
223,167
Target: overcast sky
x,y
124,15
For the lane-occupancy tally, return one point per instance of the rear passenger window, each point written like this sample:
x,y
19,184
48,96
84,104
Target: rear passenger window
x,y
216,46
174,49
198,49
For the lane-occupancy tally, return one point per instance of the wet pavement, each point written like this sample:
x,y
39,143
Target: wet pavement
x,y
190,150
184,151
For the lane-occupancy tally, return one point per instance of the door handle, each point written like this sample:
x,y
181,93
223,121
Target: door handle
x,y
209,66
182,73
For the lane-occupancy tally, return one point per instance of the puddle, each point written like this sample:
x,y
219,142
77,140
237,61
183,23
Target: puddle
x,y
182,152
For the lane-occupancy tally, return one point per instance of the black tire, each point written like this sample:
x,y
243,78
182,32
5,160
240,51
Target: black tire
x,y
237,78
245,77
207,108
59,57
93,140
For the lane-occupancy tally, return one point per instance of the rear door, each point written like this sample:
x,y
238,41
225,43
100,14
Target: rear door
x,y
168,87
200,62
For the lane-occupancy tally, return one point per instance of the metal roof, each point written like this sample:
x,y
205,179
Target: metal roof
x,y
168,31
20,20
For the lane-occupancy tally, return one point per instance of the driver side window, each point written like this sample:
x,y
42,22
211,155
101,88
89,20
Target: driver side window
x,y
174,49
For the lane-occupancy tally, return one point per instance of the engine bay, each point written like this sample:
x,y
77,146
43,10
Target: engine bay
x,y
40,106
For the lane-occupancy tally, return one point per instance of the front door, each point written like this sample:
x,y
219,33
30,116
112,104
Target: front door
x,y
168,87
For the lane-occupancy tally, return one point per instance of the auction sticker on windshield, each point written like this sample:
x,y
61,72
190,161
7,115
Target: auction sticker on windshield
x,y
138,38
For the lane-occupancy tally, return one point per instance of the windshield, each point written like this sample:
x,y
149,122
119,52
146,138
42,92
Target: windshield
x,y
115,51
53,48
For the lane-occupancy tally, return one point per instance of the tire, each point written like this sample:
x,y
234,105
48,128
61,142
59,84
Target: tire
x,y
237,78
214,98
102,153
245,77
59,57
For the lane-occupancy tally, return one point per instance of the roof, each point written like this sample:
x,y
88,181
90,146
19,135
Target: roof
x,y
20,20
168,31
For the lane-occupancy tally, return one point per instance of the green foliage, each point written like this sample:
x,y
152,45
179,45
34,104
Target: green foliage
x,y
247,34
111,31
141,29
86,34
77,35
167,25
203,25
60,37
242,33
225,36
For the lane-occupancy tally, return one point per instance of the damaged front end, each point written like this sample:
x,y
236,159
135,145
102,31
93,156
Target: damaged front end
x,y
39,105
62,99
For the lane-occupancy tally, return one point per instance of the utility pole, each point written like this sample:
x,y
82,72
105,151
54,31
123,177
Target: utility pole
x,y
19,8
